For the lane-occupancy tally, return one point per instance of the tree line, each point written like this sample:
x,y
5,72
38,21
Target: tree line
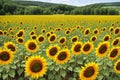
x,y
11,8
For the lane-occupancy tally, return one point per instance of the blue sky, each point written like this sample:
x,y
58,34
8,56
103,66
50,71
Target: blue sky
x,y
77,2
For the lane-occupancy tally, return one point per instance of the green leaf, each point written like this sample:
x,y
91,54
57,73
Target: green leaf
x,y
13,66
12,73
1,69
77,69
70,68
5,76
58,77
100,77
57,69
20,71
70,78
79,62
50,76
63,73
20,78
16,61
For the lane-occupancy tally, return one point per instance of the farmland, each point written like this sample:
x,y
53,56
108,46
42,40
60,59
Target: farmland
x,y
59,47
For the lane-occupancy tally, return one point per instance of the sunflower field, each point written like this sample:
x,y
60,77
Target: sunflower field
x,y
59,47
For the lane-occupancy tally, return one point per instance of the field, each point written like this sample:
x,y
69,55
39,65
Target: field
x,y
59,47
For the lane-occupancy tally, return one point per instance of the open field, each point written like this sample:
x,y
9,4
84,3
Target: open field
x,y
59,47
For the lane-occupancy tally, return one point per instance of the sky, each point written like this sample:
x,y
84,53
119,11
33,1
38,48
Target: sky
x,y
77,2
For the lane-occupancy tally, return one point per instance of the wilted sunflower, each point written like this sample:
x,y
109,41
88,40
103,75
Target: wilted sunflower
x,y
89,72
93,38
35,67
116,41
20,40
87,47
52,38
11,46
86,32
31,46
62,40
74,39
106,38
63,56
102,49
20,33
6,57
41,39
76,48
114,53
52,51
117,67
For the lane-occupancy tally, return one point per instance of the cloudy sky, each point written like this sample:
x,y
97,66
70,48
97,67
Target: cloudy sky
x,y
77,2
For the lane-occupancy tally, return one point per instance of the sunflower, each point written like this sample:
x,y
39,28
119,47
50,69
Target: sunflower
x,y
114,53
63,56
1,32
117,30
52,51
34,37
31,46
86,32
106,38
35,66
32,32
11,46
111,29
20,40
41,39
20,33
96,31
35,27
102,49
48,34
62,40
89,72
87,47
6,57
43,30
93,38
76,48
52,38
116,41
117,67
74,39
67,32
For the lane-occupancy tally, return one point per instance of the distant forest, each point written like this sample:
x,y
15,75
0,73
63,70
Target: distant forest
x,y
8,7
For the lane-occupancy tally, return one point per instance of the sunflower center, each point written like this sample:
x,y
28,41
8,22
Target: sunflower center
x,y
67,32
87,32
106,38
93,39
20,40
11,47
95,31
4,56
116,31
20,34
111,29
62,40
31,33
48,34
62,56
118,66
102,49
53,51
89,72
36,66
32,45
86,47
115,42
1,33
52,38
74,39
33,37
114,53
77,47
41,39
